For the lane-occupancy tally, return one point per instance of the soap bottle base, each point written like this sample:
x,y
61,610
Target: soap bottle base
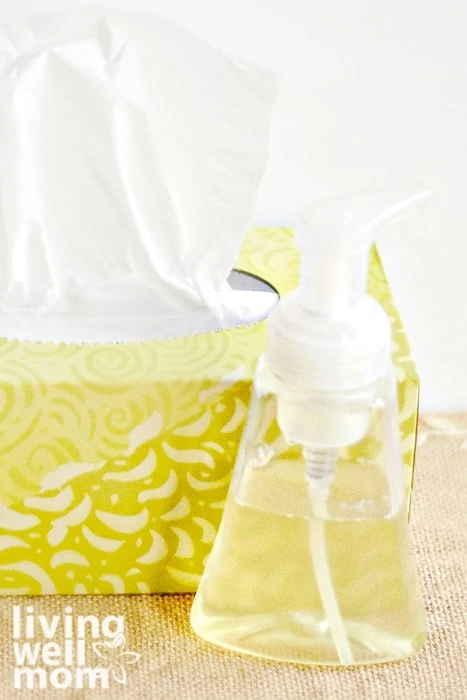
x,y
302,638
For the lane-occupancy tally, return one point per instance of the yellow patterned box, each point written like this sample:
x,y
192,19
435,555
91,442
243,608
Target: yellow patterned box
x,y
115,459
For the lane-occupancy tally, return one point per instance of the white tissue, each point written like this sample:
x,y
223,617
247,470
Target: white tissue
x,y
132,153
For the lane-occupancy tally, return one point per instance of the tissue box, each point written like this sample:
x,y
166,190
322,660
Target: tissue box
x,y
116,459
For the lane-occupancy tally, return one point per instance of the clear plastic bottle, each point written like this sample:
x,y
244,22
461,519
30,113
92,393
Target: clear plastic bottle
x,y
312,562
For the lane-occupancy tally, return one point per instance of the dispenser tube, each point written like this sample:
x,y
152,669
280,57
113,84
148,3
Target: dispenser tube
x,y
319,472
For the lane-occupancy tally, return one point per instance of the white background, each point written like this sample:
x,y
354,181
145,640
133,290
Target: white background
x,y
374,95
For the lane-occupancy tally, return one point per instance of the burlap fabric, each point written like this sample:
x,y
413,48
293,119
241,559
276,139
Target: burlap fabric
x,y
174,664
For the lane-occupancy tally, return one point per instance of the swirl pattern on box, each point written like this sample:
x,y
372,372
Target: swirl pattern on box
x,y
115,459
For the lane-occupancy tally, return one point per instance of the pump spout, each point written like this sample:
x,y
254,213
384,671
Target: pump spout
x,y
335,235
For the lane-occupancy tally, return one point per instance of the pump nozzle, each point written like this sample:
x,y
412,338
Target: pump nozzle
x,y
335,235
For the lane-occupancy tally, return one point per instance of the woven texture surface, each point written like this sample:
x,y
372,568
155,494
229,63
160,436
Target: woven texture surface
x,y
174,664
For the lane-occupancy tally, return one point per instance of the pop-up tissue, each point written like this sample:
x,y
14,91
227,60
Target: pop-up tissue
x,y
131,158
132,153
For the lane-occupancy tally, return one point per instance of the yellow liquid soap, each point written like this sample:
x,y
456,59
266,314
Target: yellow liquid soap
x,y
288,582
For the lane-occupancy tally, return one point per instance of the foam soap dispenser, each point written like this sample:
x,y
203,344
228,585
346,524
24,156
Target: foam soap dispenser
x,y
312,562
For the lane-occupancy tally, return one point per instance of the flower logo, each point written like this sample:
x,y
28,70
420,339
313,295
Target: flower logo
x,y
115,658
